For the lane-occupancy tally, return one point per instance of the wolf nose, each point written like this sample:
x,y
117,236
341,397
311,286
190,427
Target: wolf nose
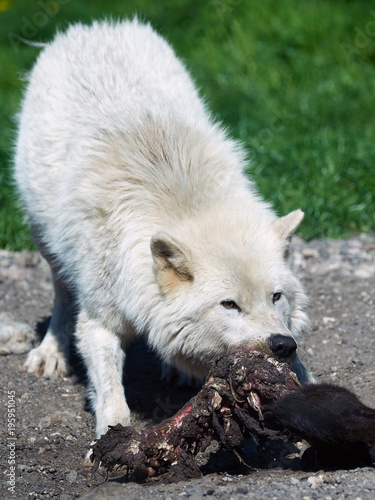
x,y
282,346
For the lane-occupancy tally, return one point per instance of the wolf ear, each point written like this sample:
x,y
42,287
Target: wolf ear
x,y
286,226
171,259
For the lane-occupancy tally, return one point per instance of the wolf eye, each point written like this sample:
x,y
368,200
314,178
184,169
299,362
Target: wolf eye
x,y
276,296
230,304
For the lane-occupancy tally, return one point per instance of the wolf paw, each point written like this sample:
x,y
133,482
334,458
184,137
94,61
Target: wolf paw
x,y
47,360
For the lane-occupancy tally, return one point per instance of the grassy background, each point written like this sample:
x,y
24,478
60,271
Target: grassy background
x,y
294,80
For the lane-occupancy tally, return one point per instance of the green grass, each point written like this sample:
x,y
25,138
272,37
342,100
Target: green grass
x,y
294,80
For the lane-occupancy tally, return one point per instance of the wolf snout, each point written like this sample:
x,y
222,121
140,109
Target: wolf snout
x,y
282,346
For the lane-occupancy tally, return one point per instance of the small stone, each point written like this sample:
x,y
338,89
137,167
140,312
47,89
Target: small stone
x,y
227,478
309,253
365,271
44,422
314,481
355,243
327,478
24,398
328,319
72,476
334,264
242,490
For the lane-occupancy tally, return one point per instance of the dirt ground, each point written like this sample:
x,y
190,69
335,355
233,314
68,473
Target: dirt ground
x,y
53,428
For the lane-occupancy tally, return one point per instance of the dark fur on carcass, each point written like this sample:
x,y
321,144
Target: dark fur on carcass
x,y
247,394
333,420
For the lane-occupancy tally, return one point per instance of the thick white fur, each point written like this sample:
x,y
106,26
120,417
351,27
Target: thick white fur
x,y
116,151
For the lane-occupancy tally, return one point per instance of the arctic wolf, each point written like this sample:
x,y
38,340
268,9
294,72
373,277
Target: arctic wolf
x,y
138,201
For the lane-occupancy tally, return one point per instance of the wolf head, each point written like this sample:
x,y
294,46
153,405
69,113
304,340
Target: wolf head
x,y
225,281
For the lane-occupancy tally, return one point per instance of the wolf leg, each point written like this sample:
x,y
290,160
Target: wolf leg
x,y
104,358
51,357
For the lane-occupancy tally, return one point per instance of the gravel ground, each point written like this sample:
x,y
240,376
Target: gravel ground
x,y
54,428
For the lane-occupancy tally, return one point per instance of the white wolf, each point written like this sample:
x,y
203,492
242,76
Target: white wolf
x,y
139,203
